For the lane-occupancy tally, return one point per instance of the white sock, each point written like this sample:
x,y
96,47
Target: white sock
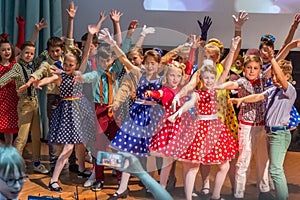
x,y
124,182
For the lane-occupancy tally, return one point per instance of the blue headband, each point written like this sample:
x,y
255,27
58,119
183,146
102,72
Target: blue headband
x,y
158,50
271,37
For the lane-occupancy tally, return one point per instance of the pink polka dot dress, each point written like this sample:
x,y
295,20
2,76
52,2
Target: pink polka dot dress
x,y
167,135
8,104
212,142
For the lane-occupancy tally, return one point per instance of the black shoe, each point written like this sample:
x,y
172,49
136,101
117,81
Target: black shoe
x,y
54,189
265,196
116,195
73,168
84,174
97,186
204,192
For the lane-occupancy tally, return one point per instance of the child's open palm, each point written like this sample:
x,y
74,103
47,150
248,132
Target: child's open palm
x,y
240,20
115,16
105,35
72,10
103,16
42,24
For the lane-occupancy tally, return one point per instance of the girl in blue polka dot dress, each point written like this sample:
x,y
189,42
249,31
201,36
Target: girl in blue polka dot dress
x,y
139,125
141,121
73,121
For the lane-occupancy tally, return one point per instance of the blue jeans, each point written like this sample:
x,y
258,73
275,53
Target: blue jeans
x,y
279,142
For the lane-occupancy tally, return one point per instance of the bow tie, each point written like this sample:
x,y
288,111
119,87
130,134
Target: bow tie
x,y
255,82
58,65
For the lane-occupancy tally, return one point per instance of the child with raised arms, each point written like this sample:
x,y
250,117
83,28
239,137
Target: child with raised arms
x,y
212,142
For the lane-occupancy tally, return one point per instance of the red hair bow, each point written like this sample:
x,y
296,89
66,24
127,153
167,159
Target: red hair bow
x,y
4,36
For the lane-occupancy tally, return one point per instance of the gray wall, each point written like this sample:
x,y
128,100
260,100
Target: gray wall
x,y
173,27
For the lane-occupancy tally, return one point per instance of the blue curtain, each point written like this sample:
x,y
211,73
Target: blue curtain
x,y
33,11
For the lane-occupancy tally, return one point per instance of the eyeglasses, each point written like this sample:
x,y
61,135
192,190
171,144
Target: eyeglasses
x,y
11,182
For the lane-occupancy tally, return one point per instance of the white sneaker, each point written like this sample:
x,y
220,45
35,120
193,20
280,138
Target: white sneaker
x,y
89,182
40,169
88,157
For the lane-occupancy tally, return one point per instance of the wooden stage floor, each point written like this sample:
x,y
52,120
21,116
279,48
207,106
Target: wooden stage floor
x,y
37,184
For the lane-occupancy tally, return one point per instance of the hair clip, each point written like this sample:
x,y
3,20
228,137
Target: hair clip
x,y
158,50
271,37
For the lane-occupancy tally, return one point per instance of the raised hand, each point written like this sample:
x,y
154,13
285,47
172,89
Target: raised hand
x,y
197,41
133,24
92,29
115,16
42,24
204,27
234,43
103,16
147,30
105,35
296,20
72,10
20,20
240,20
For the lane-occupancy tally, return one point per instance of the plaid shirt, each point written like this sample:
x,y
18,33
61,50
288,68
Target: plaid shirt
x,y
253,112
17,74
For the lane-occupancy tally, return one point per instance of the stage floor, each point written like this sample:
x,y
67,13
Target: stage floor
x,y
37,184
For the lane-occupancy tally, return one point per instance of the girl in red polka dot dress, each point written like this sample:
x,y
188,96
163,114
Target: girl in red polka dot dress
x,y
212,142
164,142
8,94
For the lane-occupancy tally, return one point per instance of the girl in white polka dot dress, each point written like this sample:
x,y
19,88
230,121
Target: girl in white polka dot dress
x,y
167,135
8,94
212,142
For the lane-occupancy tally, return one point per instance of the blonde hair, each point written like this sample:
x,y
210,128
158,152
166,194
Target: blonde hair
x,y
213,48
252,58
207,68
287,68
10,161
175,64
